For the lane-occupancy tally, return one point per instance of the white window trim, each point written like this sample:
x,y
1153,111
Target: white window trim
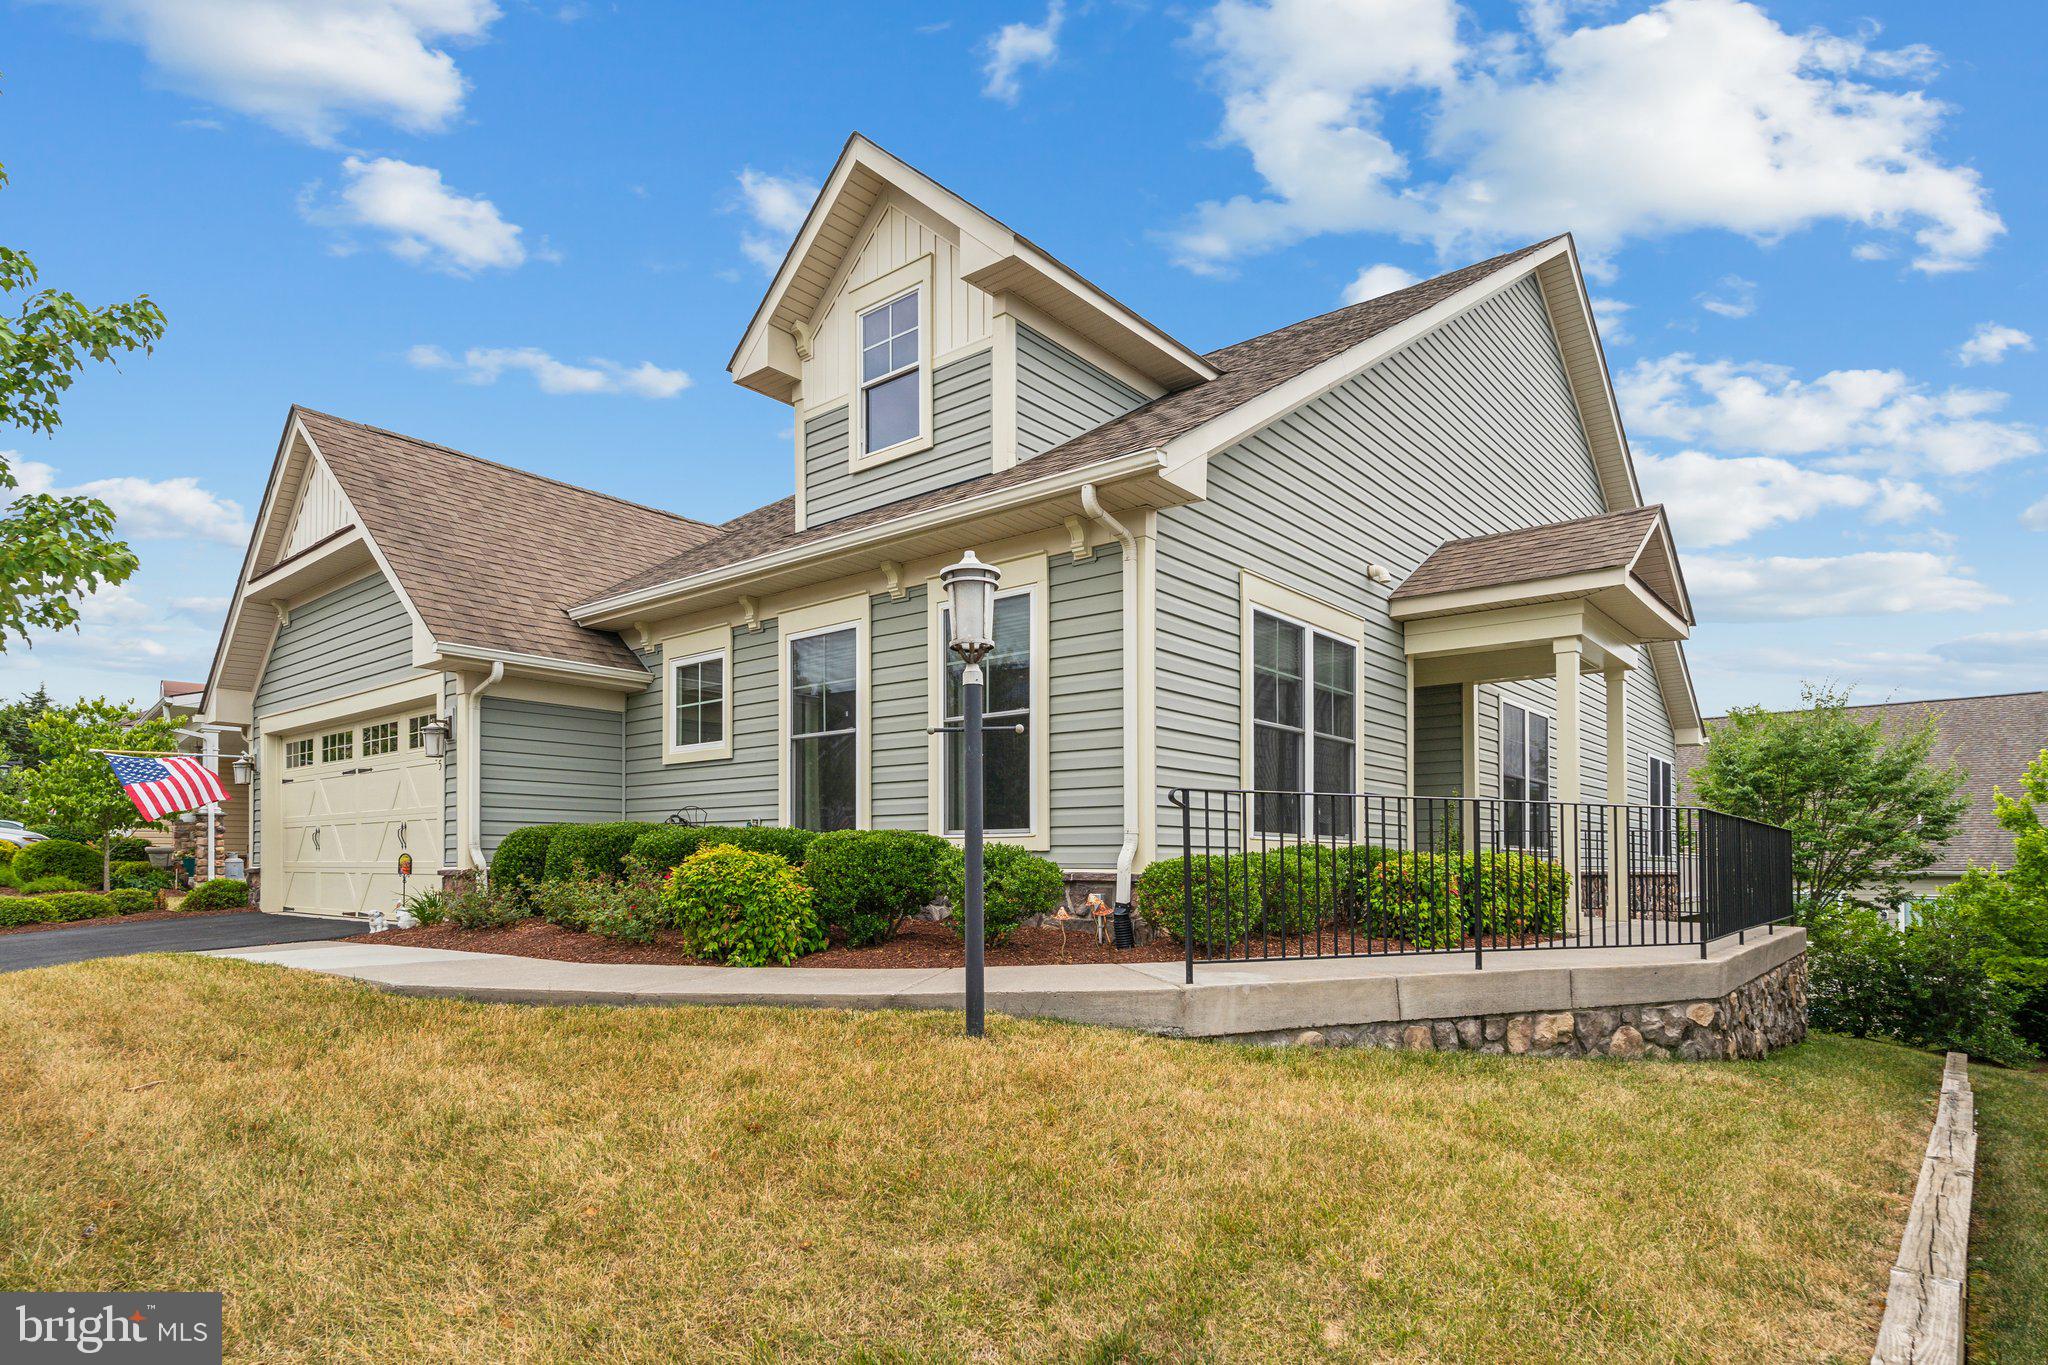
x,y
820,619
713,642
1256,594
915,277
1027,575
1501,701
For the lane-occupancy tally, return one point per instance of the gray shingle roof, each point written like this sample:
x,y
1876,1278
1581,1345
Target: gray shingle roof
x,y
493,556
1581,545
1993,738
1247,369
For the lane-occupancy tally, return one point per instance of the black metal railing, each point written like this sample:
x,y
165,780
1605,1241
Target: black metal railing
x,y
1269,875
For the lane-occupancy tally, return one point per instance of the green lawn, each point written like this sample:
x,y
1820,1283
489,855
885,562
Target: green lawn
x,y
2008,1293
374,1178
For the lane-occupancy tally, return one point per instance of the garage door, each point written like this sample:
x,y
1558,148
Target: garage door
x,y
354,798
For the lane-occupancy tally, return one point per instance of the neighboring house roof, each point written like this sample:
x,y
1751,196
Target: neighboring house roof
x,y
1246,370
179,689
1611,540
1992,739
488,555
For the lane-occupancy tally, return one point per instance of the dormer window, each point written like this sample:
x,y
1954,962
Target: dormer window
x,y
889,393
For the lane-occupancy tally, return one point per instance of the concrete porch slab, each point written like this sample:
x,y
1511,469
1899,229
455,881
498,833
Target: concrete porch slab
x,y
1257,997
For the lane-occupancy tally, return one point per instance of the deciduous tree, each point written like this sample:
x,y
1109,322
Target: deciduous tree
x,y
73,786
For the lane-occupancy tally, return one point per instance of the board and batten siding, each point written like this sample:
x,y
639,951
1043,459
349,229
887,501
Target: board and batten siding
x,y
1468,430
1060,395
349,640
543,763
962,395
728,791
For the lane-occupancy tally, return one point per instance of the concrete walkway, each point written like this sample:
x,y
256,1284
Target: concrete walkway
x,y
1237,998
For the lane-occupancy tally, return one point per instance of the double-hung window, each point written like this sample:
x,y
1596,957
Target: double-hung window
x,y
1006,703
1304,725
1662,816
1525,776
890,401
824,712
697,689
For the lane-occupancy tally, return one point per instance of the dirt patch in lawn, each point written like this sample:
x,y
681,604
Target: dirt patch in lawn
x,y
141,918
921,943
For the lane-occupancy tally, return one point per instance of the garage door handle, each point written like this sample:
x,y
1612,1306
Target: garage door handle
x,y
401,833
316,836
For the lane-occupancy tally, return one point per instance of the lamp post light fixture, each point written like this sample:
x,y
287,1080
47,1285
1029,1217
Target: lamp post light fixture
x,y
438,736
971,598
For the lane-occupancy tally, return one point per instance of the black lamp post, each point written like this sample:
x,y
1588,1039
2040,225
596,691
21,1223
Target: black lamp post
x,y
971,595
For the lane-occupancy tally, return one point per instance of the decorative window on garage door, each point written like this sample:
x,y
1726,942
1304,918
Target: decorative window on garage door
x,y
381,738
338,747
298,753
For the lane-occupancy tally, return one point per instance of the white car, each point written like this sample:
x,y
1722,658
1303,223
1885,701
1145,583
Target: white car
x,y
14,832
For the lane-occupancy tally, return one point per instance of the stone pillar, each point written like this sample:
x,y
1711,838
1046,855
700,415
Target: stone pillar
x,y
1569,785
1616,680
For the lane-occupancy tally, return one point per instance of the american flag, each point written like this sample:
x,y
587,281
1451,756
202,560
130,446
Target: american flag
x,y
165,785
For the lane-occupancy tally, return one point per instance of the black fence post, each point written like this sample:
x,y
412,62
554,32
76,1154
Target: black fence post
x,y
1187,876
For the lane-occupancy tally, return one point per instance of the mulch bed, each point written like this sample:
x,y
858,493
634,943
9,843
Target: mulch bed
x,y
920,943
142,918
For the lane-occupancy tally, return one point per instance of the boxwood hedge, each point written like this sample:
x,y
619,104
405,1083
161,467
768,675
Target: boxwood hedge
x,y
58,858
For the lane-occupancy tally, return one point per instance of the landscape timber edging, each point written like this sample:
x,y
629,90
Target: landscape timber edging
x,y
1923,1311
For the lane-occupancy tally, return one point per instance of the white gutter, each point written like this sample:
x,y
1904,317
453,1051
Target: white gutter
x,y
1127,853
472,746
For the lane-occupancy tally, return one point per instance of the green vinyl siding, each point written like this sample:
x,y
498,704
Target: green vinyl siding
x,y
728,791
900,676
1060,395
962,392
1087,633
349,640
547,764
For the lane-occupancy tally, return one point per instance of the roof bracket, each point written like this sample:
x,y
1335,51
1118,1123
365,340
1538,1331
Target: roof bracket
x,y
750,608
1077,538
892,574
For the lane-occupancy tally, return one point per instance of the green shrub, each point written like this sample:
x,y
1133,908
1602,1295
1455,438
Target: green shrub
x,y
59,858
129,900
222,893
522,855
76,905
8,876
139,873
428,907
1244,896
566,903
1925,985
128,848
76,836
50,886
790,845
482,905
17,910
666,846
131,867
744,908
591,850
1016,884
1415,897
867,882
1516,893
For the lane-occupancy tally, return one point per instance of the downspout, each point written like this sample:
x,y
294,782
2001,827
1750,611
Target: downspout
x,y
1128,853
475,745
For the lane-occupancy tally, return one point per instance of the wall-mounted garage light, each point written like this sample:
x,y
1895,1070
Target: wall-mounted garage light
x,y
438,735
245,770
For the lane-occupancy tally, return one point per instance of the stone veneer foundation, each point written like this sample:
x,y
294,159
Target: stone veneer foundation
x,y
1767,1013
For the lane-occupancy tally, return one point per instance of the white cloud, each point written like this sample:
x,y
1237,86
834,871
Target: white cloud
x,y
146,509
423,221
1376,280
1013,47
778,205
483,365
1989,343
1718,501
1612,317
1732,297
1996,661
308,66
1692,114
1789,588
1859,417
2035,518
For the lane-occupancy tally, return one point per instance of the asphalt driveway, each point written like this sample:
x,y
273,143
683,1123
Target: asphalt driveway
x,y
48,947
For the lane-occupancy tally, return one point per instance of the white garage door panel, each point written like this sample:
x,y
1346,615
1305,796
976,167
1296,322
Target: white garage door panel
x,y
347,822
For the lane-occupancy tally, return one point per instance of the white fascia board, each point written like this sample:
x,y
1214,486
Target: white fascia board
x,y
1226,429
1610,408
455,656
624,606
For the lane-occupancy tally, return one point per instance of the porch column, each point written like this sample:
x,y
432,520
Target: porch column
x,y
1616,680
1568,786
